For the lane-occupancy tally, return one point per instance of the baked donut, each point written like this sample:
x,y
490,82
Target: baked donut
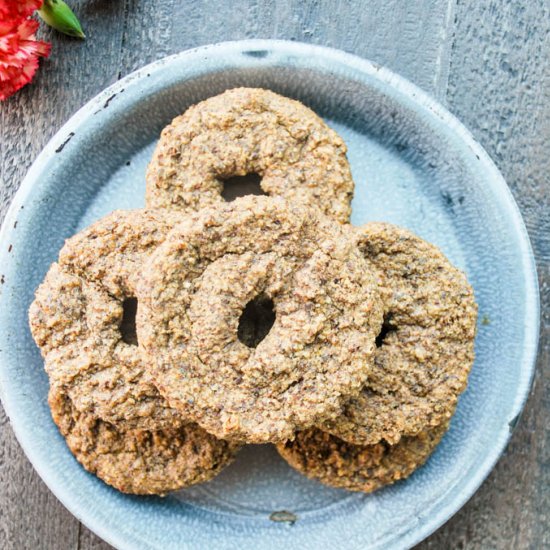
x,y
319,349
244,131
140,462
332,461
426,348
77,319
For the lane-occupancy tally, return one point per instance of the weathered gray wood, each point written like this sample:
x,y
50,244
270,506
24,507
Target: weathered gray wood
x,y
89,541
499,86
489,60
30,516
410,37
74,73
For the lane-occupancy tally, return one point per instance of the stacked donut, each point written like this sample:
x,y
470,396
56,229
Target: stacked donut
x,y
175,334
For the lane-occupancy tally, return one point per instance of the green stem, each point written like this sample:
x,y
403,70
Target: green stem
x,y
59,16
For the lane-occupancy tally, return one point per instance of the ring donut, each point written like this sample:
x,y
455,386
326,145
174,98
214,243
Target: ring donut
x,y
332,461
319,349
140,462
426,348
244,131
76,320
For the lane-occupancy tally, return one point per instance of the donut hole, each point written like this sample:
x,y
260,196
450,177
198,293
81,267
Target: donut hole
x,y
387,328
240,186
256,320
127,326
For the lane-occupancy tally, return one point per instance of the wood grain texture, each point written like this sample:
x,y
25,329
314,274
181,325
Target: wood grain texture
x,y
72,75
30,516
489,60
369,29
499,86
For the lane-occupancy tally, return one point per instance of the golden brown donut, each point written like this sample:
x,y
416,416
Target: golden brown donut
x,y
78,315
244,131
319,350
426,348
332,461
141,462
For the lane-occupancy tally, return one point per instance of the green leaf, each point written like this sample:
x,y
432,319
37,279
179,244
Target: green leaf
x,y
59,16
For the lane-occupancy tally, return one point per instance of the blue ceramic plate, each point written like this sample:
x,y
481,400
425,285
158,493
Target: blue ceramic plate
x,y
413,164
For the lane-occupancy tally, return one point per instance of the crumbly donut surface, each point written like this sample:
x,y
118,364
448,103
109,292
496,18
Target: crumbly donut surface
x,y
426,348
175,334
320,348
332,461
76,316
140,462
243,131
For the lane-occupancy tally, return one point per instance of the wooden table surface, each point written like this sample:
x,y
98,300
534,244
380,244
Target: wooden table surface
x,y
487,60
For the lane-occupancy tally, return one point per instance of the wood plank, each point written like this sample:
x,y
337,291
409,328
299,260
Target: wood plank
x,y
74,73
499,86
90,541
408,37
147,33
30,516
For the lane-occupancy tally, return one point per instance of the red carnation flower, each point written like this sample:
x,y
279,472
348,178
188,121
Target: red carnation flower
x,y
18,9
19,49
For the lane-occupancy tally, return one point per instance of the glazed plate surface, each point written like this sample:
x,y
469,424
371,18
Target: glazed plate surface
x,y
413,164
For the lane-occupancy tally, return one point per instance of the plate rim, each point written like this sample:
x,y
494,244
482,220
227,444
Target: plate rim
x,y
420,98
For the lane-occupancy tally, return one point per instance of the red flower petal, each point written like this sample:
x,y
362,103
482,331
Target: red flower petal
x,y
27,28
18,79
8,25
18,9
19,49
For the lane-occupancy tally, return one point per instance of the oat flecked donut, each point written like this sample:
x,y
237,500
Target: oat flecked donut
x,y
137,461
332,461
319,349
243,131
426,347
76,320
